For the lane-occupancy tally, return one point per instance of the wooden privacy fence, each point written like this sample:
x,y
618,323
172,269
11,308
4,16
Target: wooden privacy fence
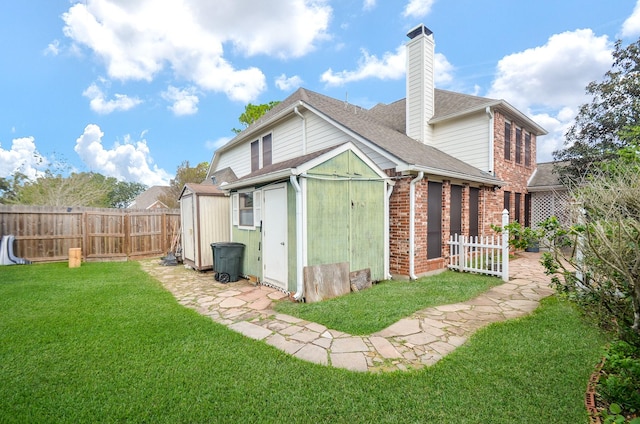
x,y
45,234
484,255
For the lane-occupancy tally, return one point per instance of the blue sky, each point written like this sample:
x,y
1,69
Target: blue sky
x,y
131,89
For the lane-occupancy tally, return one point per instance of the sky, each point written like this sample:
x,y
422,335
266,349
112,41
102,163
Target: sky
x,y
132,89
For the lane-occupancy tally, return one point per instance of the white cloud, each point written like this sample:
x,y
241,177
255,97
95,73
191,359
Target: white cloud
x,y
391,66
137,40
185,102
369,4
285,83
548,82
126,161
99,104
23,157
417,8
553,75
53,48
631,26
216,144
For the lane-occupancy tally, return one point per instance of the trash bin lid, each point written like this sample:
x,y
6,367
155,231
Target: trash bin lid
x,y
227,244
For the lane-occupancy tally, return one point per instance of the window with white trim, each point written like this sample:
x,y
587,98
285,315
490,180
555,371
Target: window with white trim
x,y
246,209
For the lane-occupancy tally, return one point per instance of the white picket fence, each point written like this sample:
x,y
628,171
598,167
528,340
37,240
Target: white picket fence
x,y
484,255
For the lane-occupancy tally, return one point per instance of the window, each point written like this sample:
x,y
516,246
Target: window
x,y
255,156
527,149
266,150
434,220
507,140
474,211
516,210
507,200
518,145
246,209
455,211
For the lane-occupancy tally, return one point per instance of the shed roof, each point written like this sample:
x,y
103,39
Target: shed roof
x,y
545,177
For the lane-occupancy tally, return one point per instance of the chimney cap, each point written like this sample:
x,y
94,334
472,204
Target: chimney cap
x,y
420,29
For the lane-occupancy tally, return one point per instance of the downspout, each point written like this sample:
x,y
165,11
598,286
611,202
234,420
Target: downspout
x,y
491,146
299,240
304,130
387,253
412,224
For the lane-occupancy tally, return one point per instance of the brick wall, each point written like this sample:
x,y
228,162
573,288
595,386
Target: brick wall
x,y
516,174
491,204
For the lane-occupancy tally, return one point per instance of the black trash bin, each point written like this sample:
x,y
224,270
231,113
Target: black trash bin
x,y
227,261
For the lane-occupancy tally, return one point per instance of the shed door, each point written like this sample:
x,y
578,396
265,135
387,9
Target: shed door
x,y
188,230
274,236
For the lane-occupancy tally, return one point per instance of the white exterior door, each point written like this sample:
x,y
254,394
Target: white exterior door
x,y
188,232
274,236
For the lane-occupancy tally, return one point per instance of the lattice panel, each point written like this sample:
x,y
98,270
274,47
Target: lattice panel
x,y
550,203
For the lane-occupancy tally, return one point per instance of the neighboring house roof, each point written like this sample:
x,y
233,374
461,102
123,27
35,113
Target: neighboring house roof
x,y
223,175
545,178
381,129
148,199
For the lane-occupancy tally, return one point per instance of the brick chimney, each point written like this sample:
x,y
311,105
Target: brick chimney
x,y
420,83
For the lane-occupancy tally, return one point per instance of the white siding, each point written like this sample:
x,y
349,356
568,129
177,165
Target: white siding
x,y
287,139
466,139
238,159
288,144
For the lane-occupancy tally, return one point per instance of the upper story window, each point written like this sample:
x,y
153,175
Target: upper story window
x,y
255,156
264,146
507,140
527,149
518,145
266,150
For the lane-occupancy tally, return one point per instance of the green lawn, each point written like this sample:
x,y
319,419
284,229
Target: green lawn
x,y
386,303
106,343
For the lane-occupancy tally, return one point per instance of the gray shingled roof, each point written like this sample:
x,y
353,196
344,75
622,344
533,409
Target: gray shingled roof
x,y
545,178
384,127
397,144
148,197
281,166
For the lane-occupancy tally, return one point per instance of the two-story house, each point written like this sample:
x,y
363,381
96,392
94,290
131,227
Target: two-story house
x,y
318,180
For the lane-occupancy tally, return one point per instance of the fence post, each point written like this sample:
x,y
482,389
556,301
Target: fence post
x,y
505,245
580,248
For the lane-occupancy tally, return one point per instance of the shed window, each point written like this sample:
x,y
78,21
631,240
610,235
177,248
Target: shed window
x,y
245,209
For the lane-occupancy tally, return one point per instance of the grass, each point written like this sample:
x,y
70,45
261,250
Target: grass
x,y
387,302
106,343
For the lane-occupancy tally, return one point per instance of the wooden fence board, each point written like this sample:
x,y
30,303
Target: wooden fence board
x,y
45,234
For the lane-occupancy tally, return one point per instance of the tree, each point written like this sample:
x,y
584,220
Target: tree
x,y
78,189
252,113
598,131
122,193
597,260
184,174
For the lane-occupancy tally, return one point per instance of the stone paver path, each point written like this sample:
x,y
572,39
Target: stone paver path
x,y
411,343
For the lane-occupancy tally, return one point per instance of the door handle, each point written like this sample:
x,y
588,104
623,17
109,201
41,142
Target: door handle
x,y
282,243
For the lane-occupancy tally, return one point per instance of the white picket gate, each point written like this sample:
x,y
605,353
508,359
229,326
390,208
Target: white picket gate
x,y
484,255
